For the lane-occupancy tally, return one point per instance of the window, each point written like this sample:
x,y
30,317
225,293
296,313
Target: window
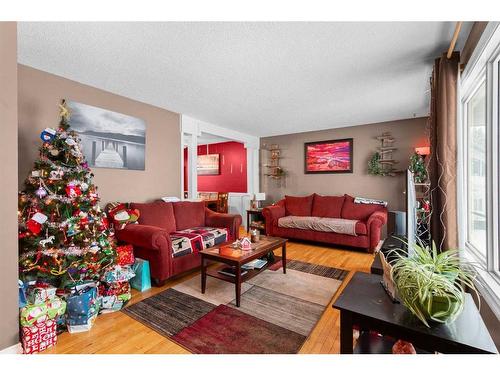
x,y
479,163
476,170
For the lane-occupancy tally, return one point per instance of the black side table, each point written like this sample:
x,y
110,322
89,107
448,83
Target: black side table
x,y
365,303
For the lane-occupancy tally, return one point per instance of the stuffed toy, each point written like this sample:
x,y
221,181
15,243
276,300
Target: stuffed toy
x,y
121,215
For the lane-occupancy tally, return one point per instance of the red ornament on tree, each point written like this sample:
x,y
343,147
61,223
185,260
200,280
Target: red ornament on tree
x,y
33,226
73,191
84,221
104,223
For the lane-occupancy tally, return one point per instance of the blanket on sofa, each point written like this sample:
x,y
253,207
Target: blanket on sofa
x,y
320,224
193,240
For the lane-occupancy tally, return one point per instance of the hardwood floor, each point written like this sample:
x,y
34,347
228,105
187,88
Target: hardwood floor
x,y
116,333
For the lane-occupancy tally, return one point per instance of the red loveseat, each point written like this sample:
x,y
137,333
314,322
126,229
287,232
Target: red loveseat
x,y
166,231
369,219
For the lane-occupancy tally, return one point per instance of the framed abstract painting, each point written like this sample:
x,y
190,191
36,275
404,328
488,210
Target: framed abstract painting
x,y
208,165
334,156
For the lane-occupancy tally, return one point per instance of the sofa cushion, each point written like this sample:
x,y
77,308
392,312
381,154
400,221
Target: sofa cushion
x,y
327,206
298,206
158,214
358,211
189,214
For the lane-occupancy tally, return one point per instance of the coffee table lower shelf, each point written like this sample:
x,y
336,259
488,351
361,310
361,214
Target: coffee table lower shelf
x,y
214,272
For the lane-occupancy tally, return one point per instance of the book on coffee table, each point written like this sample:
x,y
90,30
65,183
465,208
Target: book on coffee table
x,y
230,271
255,264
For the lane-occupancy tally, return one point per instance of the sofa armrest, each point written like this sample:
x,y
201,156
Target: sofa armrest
x,y
374,226
229,221
145,236
272,214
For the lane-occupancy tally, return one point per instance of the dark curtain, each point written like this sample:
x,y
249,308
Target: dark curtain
x,y
443,160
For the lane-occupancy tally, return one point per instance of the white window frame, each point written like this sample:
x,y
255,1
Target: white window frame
x,y
483,66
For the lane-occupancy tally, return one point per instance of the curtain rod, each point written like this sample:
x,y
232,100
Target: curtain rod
x,y
458,26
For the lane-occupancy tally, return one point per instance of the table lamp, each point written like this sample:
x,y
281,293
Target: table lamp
x,y
258,198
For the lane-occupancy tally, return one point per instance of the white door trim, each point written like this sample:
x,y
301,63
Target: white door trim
x,y
191,128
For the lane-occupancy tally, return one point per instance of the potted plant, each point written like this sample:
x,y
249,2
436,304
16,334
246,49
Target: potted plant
x,y
374,167
431,284
417,166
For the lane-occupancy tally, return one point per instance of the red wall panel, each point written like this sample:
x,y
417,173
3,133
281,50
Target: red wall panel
x,y
233,168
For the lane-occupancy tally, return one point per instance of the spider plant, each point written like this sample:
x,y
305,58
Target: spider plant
x,y
431,284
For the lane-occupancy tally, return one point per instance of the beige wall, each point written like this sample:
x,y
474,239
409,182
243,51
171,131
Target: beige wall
x,y
9,313
408,133
39,96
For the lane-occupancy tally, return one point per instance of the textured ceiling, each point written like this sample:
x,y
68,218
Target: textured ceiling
x,y
258,78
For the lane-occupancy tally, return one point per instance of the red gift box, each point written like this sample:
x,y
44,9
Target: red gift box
x,y
39,336
125,255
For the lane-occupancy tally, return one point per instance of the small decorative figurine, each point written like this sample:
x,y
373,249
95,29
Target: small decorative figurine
x,y
255,235
243,244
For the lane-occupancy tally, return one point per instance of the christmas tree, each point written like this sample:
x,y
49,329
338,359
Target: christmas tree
x,y
64,237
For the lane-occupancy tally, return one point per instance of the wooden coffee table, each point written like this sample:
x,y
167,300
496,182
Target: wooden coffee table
x,y
237,258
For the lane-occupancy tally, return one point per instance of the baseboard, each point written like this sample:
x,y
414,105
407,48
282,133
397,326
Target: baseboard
x,y
14,349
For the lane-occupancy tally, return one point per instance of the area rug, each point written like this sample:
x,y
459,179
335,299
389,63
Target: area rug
x,y
230,331
276,314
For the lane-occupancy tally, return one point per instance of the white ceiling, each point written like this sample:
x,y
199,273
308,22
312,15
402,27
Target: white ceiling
x,y
257,78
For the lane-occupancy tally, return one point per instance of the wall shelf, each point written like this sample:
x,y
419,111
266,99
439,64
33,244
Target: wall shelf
x,y
275,170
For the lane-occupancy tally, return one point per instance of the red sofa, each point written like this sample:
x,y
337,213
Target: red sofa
x,y
152,237
370,219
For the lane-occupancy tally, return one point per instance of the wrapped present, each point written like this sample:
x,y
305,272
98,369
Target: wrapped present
x,y
33,314
22,294
82,309
142,279
55,308
39,336
125,255
114,289
40,292
111,304
117,274
50,309
114,296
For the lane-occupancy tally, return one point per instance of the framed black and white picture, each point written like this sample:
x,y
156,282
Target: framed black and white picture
x,y
109,139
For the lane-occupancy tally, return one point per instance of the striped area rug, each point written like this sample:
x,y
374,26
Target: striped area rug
x,y
277,313
317,269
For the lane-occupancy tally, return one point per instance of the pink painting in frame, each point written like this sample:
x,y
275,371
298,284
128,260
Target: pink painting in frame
x,y
333,156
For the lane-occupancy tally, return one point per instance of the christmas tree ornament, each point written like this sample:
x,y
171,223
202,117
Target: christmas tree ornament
x,y
41,192
64,112
70,141
54,152
73,191
94,247
33,226
40,218
48,135
56,175
48,240
84,221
